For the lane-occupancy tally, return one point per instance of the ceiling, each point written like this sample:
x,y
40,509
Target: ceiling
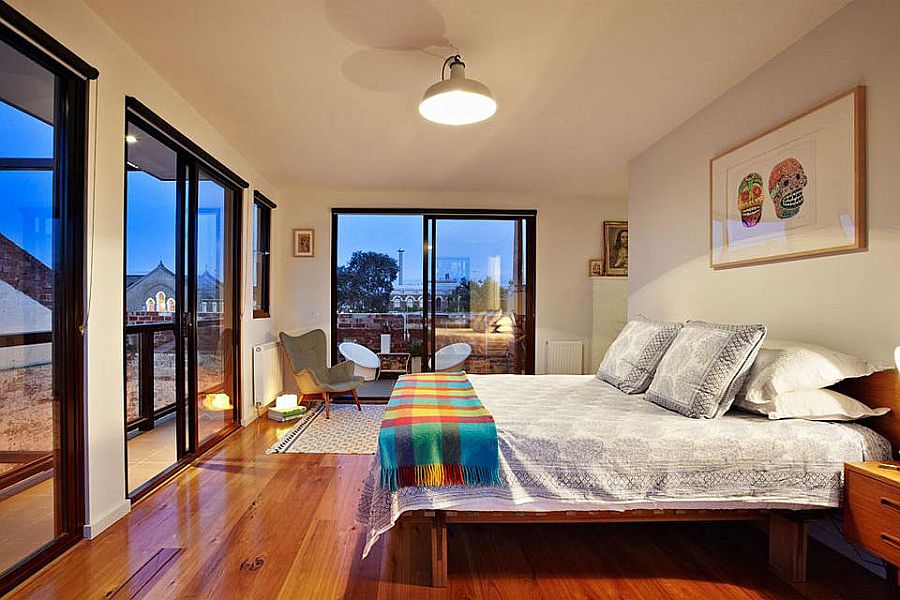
x,y
323,94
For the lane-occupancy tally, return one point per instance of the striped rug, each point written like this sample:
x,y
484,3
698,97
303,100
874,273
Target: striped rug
x,y
348,431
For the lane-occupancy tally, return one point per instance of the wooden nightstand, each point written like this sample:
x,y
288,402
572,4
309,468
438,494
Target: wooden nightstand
x,y
872,511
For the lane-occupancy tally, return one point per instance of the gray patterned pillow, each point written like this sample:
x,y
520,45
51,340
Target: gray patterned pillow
x,y
632,358
705,367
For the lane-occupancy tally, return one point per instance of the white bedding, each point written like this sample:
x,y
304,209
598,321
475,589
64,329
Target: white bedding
x,y
572,442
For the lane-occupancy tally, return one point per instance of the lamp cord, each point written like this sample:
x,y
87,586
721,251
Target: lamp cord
x,y
93,215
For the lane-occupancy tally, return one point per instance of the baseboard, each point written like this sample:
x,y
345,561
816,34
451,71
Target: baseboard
x,y
92,530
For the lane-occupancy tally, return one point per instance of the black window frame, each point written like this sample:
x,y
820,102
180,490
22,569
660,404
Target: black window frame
x,y
192,160
70,195
528,216
263,250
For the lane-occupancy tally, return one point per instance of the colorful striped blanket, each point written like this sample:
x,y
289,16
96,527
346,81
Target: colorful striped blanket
x,y
436,432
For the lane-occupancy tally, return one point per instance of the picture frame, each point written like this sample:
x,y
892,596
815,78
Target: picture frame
x,y
595,267
615,248
795,191
305,243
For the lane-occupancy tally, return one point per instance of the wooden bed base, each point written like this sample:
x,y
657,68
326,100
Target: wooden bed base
x,y
787,530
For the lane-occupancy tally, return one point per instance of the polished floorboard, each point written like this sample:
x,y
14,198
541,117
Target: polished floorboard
x,y
244,524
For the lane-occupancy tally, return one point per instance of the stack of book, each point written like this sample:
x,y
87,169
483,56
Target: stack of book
x,y
286,414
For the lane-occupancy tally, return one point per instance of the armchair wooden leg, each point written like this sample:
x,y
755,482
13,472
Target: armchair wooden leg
x,y
327,397
356,398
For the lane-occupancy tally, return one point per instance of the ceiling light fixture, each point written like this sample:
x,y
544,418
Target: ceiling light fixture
x,y
130,139
457,100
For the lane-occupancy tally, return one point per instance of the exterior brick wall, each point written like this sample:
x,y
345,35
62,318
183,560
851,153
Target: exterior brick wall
x,y
491,352
26,418
25,273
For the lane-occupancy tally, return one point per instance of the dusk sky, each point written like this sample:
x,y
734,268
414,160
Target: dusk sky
x,y
476,239
26,196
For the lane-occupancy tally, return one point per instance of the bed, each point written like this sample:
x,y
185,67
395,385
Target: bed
x,y
573,448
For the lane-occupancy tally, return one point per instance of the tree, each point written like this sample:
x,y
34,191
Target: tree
x,y
458,298
485,295
364,284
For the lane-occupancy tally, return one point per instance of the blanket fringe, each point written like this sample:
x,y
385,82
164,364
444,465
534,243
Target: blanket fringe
x,y
438,475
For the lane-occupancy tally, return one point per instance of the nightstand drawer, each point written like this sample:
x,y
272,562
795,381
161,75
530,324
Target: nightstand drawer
x,y
872,515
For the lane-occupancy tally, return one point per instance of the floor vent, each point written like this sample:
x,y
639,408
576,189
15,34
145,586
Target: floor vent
x,y
139,584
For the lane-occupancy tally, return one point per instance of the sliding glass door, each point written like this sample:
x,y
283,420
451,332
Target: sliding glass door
x,y
154,418
181,309
426,289
42,127
479,305
213,279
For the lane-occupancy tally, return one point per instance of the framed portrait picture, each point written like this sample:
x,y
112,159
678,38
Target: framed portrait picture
x,y
305,242
795,191
595,267
615,248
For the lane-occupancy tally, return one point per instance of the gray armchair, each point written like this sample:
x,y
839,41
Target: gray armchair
x,y
307,355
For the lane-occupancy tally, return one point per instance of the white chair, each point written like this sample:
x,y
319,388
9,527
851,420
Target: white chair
x,y
366,363
451,358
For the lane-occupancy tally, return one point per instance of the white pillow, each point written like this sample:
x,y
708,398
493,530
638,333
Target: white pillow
x,y
791,366
817,405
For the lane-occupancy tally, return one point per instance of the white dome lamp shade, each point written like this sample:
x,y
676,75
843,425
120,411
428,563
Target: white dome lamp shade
x,y
457,100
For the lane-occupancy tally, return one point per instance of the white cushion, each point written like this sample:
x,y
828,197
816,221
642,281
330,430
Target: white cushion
x,y
817,405
783,366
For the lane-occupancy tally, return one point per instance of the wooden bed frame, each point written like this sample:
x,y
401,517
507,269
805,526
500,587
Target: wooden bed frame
x,y
787,529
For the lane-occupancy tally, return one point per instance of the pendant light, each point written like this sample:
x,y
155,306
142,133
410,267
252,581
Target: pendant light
x,y
457,100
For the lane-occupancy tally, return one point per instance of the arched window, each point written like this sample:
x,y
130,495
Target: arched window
x,y
170,304
410,303
397,303
438,303
151,305
161,301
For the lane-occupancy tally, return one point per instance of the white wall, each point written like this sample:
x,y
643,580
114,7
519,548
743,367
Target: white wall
x,y
848,302
123,72
569,232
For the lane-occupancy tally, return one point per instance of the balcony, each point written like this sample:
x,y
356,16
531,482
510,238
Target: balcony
x,y
496,342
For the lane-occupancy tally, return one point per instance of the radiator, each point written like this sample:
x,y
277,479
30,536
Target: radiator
x,y
266,373
565,357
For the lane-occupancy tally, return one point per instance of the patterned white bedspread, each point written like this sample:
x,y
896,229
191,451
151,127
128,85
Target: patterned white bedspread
x,y
572,442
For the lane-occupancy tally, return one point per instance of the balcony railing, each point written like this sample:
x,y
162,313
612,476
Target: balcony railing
x,y
146,345
150,366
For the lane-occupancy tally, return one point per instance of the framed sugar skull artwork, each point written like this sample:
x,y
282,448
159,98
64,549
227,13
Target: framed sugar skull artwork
x,y
795,191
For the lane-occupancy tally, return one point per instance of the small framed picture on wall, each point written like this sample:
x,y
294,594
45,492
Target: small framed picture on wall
x,y
305,242
595,267
615,247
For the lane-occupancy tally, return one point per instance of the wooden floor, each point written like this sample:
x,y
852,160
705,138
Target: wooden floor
x,y
244,524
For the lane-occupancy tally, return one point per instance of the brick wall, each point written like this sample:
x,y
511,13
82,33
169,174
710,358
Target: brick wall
x,y
491,352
